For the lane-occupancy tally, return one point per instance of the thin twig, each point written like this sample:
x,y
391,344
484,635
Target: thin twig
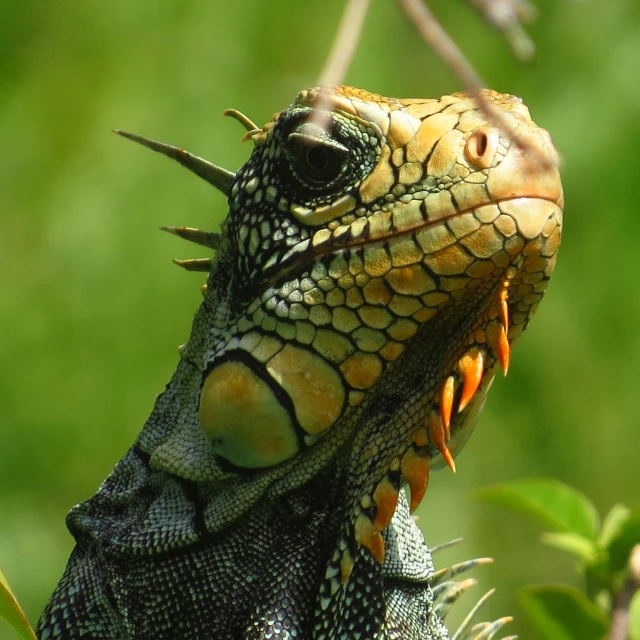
x,y
507,16
345,42
342,50
622,600
440,41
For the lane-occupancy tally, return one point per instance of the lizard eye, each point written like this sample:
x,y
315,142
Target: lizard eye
x,y
318,163
316,159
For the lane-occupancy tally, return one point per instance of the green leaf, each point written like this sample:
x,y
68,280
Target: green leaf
x,y
560,612
612,524
634,617
11,612
585,549
622,542
598,581
551,502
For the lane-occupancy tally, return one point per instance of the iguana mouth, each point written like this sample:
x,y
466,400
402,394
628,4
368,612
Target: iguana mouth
x,y
302,258
427,224
500,315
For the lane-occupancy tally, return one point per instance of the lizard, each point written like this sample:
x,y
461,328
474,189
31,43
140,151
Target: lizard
x,y
378,259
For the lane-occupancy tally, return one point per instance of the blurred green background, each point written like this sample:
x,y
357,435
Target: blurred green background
x,y
92,310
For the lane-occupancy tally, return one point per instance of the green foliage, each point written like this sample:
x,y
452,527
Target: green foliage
x,y
92,309
11,612
559,612
552,502
573,543
620,536
604,558
634,617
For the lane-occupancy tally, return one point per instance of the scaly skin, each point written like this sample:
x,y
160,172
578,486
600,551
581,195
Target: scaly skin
x,y
379,258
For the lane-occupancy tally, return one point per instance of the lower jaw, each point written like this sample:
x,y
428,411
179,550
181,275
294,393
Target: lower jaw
x,y
427,415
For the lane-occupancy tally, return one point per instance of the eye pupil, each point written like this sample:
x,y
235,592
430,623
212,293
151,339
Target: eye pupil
x,y
317,158
319,164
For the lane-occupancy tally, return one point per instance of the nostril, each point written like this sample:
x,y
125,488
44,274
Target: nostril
x,y
481,147
481,143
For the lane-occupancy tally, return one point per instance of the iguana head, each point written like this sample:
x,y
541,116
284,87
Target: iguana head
x,y
378,260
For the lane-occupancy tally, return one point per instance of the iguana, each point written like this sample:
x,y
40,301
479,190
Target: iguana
x,y
378,259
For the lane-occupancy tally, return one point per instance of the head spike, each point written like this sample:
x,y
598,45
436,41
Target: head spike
x,y
220,178
246,122
197,264
250,135
208,239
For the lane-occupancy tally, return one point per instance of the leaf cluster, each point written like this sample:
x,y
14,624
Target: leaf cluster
x,y
607,552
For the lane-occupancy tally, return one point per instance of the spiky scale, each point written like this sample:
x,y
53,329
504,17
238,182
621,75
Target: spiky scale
x,y
500,344
368,535
248,124
465,625
208,239
504,307
220,178
471,368
437,433
197,264
415,470
346,565
451,596
446,405
385,497
490,631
